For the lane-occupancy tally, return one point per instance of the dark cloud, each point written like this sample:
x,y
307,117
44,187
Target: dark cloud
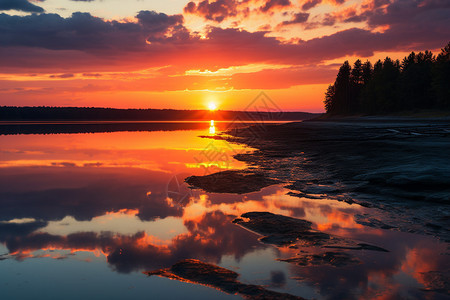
x,y
297,19
92,75
407,14
404,25
217,10
220,10
153,22
328,20
66,75
310,4
412,14
223,48
92,44
242,46
271,4
85,32
21,5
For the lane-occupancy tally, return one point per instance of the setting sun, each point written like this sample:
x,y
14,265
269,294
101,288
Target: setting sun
x,y
212,106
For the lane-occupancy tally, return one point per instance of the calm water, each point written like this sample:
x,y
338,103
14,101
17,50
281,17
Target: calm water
x,y
82,215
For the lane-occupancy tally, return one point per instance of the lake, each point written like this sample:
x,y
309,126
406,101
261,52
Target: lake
x,y
86,208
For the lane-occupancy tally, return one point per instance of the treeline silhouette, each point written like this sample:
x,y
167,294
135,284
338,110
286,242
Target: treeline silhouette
x,y
419,81
47,113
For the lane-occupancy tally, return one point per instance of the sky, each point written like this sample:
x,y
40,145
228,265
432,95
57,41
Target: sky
x,y
186,54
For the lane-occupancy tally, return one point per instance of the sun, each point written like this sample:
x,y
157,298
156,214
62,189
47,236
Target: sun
x,y
212,106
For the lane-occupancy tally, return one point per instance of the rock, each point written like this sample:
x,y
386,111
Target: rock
x,y
373,163
280,231
234,182
198,272
360,246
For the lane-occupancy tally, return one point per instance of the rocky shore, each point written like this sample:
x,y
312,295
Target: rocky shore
x,y
395,168
399,166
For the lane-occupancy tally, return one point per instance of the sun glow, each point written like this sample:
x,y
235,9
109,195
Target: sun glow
x,y
212,106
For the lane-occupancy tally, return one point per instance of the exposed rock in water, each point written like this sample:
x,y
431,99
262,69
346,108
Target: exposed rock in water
x,y
370,161
336,259
359,246
280,230
268,223
234,182
198,272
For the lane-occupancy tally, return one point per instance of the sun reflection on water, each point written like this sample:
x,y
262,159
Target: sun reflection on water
x,y
212,128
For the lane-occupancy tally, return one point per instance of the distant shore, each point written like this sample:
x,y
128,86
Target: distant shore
x,y
43,113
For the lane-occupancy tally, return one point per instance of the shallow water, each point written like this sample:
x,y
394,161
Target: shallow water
x,y
82,215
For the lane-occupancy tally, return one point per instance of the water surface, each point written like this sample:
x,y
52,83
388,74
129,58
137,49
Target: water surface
x,y
82,215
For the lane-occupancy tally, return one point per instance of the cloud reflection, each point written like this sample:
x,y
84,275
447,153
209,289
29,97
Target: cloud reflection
x,y
117,213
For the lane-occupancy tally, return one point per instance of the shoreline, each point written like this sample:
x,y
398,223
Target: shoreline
x,y
422,115
395,174
385,164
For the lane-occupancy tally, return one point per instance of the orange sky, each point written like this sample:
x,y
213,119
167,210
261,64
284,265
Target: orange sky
x,y
182,54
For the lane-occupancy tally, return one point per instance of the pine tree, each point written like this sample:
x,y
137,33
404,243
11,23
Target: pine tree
x,y
356,81
388,86
441,78
342,89
329,99
366,72
415,87
364,96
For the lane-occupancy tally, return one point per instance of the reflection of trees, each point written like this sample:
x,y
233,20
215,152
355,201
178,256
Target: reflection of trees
x,y
7,129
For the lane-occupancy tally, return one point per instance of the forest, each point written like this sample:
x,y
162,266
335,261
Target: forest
x,y
48,113
419,82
